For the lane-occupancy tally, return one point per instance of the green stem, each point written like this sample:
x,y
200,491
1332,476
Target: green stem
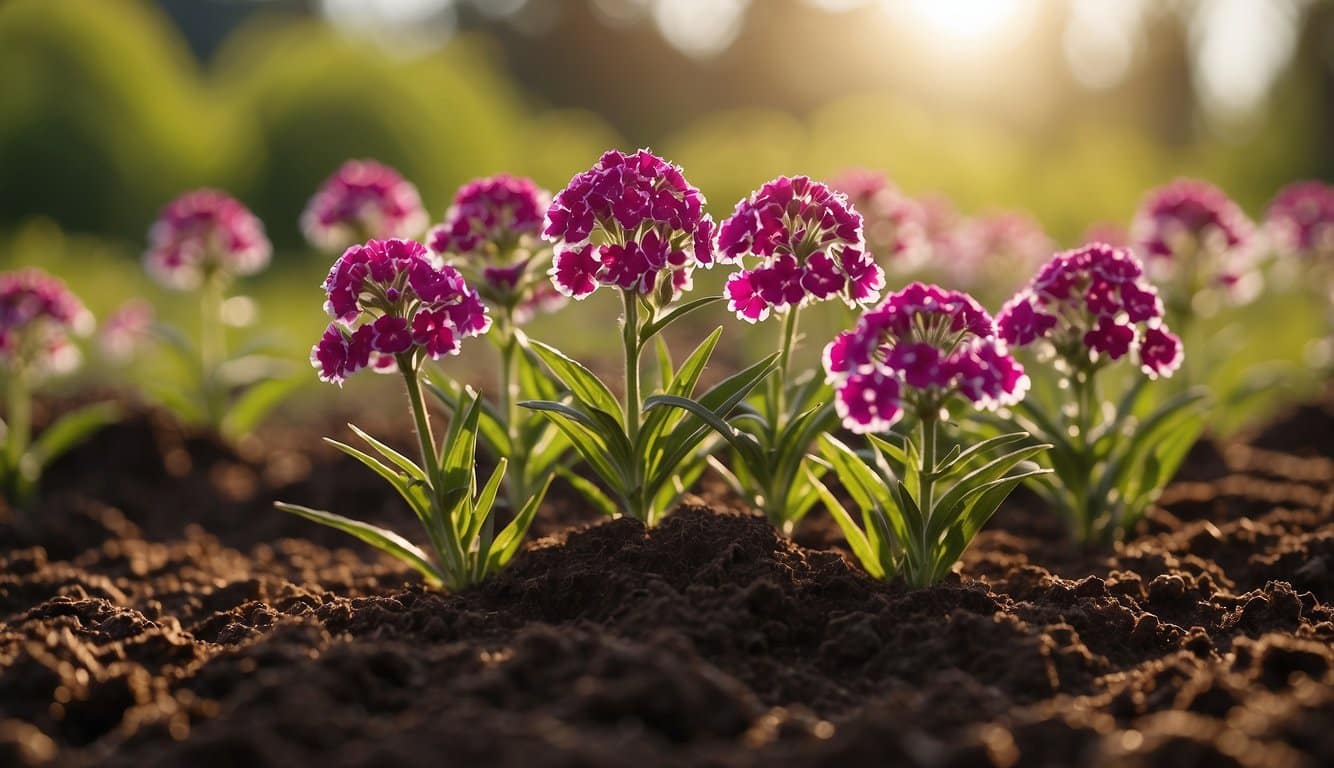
x,y
927,475
444,537
18,421
212,347
638,506
509,408
776,496
1085,393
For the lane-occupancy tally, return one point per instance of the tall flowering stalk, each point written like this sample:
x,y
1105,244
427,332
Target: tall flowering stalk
x,y
362,200
1084,311
1199,245
924,352
39,317
633,224
1299,226
394,308
798,242
202,242
492,235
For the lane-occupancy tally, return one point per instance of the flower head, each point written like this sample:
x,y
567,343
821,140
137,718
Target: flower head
x,y
631,222
1093,304
202,233
990,250
922,347
125,330
362,199
1192,231
1300,220
808,245
492,232
895,224
388,298
38,315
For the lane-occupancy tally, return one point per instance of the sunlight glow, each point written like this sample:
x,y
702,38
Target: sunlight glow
x,y
965,22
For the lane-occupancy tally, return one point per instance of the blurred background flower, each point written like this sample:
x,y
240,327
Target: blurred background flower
x,y
1062,111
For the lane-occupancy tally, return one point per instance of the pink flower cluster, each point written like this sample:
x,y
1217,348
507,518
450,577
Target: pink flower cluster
x,y
895,224
1093,303
38,313
202,233
492,230
651,226
1301,219
123,331
389,298
362,200
809,244
922,346
1191,219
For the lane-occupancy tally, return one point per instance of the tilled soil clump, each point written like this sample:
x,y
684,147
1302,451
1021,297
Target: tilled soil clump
x,y
154,610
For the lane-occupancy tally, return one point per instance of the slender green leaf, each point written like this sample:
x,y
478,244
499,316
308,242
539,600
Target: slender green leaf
x,y
581,382
657,326
508,540
394,457
856,538
590,492
251,408
381,538
70,430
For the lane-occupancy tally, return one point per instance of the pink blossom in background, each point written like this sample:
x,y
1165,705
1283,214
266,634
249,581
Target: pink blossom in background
x,y
390,298
492,232
651,226
125,330
362,200
1092,305
1193,236
1300,220
895,225
807,245
38,317
921,348
203,233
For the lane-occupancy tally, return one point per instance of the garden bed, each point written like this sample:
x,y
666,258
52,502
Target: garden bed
x,y
155,609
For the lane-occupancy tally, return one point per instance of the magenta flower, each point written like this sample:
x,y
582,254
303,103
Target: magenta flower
x,y
993,249
390,301
1093,304
125,330
1300,220
809,246
1194,236
38,316
650,226
201,234
921,347
492,232
362,200
895,224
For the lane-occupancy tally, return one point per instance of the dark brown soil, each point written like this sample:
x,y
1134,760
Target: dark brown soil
x,y
154,610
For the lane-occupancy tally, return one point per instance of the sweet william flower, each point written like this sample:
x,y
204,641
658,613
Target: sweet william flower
x,y
1194,237
39,315
1300,220
1089,305
921,347
125,330
390,301
807,245
632,222
362,199
492,232
895,224
204,233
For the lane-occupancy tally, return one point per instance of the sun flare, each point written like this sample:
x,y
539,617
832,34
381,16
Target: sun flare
x,y
972,22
